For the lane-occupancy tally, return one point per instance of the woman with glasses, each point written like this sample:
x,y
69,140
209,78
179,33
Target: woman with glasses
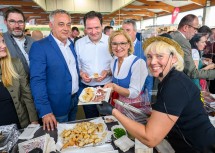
x,y
178,113
129,71
16,104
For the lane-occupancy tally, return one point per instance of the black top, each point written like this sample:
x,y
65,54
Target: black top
x,y
179,96
8,113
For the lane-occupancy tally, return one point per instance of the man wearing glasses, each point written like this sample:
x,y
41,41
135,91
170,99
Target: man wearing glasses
x,y
17,43
187,28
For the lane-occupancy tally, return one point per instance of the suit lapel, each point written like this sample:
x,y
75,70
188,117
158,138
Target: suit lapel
x,y
57,50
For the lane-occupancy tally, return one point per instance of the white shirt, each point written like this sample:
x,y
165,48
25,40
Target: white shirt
x,y
21,44
195,55
70,61
72,39
93,58
134,43
139,73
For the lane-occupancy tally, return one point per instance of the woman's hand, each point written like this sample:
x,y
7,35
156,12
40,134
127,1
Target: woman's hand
x,y
105,108
110,85
209,67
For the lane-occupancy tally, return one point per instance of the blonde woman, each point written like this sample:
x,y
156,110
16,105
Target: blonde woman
x,y
16,104
178,112
129,71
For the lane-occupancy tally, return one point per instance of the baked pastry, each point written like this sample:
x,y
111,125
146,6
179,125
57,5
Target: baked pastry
x,y
82,134
95,75
88,94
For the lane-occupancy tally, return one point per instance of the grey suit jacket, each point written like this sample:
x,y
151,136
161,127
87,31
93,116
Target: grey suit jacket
x,y
190,68
15,50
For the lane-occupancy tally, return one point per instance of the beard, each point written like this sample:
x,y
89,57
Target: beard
x,y
17,34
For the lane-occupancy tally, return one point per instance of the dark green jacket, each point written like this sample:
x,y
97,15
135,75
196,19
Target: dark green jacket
x,y
21,95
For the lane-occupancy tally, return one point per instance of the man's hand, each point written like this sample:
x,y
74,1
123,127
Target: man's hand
x,y
105,108
103,75
85,77
49,122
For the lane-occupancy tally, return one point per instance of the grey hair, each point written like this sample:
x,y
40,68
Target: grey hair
x,y
130,21
58,11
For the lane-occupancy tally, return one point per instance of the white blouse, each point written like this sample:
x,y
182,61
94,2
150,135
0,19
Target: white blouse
x,y
195,55
139,72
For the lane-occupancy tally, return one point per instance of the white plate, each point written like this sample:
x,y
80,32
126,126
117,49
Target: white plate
x,y
107,96
61,127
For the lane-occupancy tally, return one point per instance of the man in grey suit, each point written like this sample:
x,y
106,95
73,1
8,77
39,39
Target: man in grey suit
x,y
17,43
187,28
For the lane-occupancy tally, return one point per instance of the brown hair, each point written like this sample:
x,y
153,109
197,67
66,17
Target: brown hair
x,y
186,20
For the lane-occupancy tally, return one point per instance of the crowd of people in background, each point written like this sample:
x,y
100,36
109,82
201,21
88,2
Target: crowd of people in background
x,y
41,78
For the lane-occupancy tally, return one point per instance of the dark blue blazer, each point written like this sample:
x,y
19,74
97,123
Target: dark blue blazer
x,y
50,79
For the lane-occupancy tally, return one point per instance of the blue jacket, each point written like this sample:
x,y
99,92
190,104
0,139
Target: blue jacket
x,y
50,79
138,51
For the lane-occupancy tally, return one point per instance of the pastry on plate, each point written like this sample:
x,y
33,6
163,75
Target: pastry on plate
x,y
95,75
88,94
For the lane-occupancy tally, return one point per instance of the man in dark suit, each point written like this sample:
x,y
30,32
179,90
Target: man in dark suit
x,y
54,73
18,44
187,28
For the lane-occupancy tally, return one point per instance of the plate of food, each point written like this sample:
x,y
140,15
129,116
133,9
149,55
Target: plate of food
x,y
94,95
87,95
83,134
118,131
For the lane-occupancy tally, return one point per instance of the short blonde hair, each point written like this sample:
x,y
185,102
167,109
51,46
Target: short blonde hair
x,y
120,32
8,72
163,47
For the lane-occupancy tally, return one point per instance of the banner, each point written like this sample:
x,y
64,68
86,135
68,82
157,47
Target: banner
x,y
174,14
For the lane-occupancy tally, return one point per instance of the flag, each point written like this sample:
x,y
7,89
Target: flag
x,y
174,14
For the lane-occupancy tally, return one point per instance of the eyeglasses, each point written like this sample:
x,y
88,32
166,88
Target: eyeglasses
x,y
121,44
13,22
194,27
